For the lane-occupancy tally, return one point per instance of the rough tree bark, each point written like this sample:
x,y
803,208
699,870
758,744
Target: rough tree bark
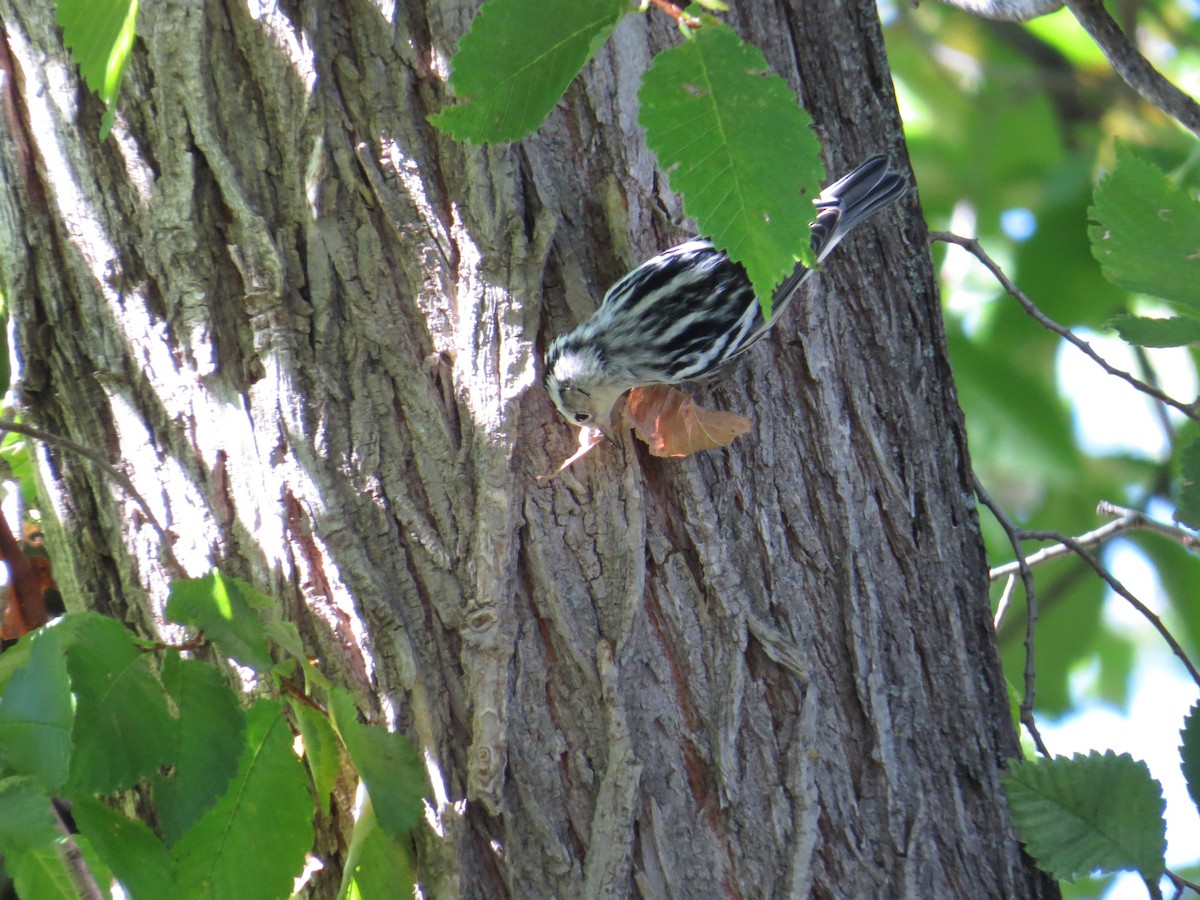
x,y
308,328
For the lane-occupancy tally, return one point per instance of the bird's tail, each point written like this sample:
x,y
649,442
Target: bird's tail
x,y
851,200
843,205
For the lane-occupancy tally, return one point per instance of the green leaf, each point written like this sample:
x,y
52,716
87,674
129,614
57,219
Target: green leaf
x,y
123,729
1176,331
738,148
1187,510
208,744
321,749
27,819
216,605
1100,811
16,451
1146,239
1189,753
131,850
387,763
36,714
99,34
377,865
41,874
517,60
286,636
252,843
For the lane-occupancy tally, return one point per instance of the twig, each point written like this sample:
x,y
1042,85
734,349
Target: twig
x,y
1014,538
1135,70
1120,589
676,13
1126,520
192,643
1182,883
115,474
1005,601
1090,539
974,247
1140,520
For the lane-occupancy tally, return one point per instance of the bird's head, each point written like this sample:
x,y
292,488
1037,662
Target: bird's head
x,y
580,386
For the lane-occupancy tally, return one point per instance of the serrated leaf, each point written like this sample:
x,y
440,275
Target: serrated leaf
x,y
132,851
208,744
1176,331
387,763
215,605
252,843
1189,753
36,713
516,62
1187,510
27,819
123,729
1100,811
738,148
99,34
321,749
1148,234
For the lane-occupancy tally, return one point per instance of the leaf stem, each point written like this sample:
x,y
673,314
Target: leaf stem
x,y
680,17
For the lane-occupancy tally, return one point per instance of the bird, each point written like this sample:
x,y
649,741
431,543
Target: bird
x,y
688,312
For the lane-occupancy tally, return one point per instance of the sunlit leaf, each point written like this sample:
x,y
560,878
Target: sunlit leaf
x,y
377,864
322,752
737,147
388,764
99,34
517,60
215,605
252,843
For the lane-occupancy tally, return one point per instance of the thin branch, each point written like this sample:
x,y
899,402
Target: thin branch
x,y
1135,70
974,247
1120,589
1126,520
1091,539
1140,520
1182,883
1014,538
1005,601
115,474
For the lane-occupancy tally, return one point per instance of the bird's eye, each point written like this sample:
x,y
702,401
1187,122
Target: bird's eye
x,y
582,417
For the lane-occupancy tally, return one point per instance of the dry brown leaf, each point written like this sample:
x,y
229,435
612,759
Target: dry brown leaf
x,y
588,438
673,424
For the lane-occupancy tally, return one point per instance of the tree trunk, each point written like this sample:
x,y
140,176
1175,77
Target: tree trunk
x,y
309,328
